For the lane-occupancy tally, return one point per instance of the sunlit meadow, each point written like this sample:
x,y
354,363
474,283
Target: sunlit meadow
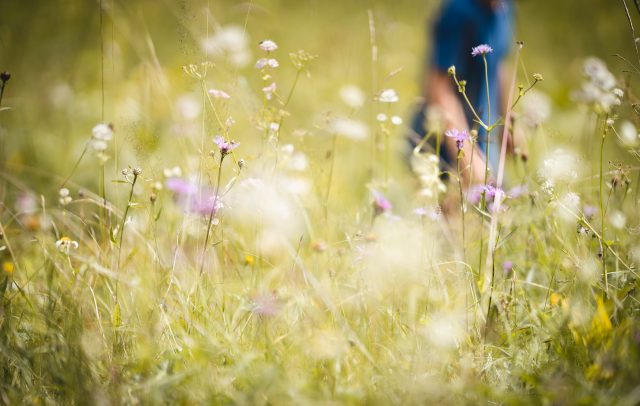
x,y
215,202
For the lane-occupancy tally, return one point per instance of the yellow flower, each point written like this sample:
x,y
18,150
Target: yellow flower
x,y
8,267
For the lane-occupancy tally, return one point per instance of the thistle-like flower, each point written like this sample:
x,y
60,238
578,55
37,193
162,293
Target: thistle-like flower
x,y
225,146
459,136
481,49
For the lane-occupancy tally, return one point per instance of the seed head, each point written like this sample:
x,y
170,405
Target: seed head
x,y
137,171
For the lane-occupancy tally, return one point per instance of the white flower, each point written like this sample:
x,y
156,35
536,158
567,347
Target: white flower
x,y
354,129
219,94
560,165
388,96
628,135
231,42
618,219
352,96
269,90
188,107
102,132
65,198
396,120
268,45
267,62
536,108
172,172
381,117
65,244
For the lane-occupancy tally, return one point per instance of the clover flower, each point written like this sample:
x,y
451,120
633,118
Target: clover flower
x,y
481,49
459,136
225,146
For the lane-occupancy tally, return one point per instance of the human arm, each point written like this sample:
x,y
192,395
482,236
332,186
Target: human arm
x,y
440,91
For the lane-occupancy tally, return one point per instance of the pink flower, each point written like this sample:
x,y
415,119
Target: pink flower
x,y
219,94
459,136
268,45
225,146
269,90
481,49
380,203
187,196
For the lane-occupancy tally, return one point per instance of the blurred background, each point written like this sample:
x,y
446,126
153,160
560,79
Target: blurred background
x,y
73,66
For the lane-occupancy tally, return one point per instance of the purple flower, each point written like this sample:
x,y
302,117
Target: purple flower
x,y
481,49
507,267
181,186
459,136
187,196
518,191
475,193
380,203
590,211
225,146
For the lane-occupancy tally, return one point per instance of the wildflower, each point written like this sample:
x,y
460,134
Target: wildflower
x,y
5,76
395,120
267,62
354,129
136,171
618,219
8,267
219,94
225,146
65,199
536,108
618,92
188,107
589,211
507,267
230,42
538,77
517,191
380,203
268,45
172,172
187,196
101,135
269,90
459,136
481,49
65,244
352,96
381,117
388,96
451,71
628,134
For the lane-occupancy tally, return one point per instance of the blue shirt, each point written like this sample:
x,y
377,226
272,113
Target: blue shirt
x,y
462,25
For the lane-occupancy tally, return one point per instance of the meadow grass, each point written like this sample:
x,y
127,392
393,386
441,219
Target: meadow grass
x,y
210,202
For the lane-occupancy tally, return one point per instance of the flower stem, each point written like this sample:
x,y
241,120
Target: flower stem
x,y
211,213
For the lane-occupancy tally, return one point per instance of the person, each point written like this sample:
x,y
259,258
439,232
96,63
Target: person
x,y
461,26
